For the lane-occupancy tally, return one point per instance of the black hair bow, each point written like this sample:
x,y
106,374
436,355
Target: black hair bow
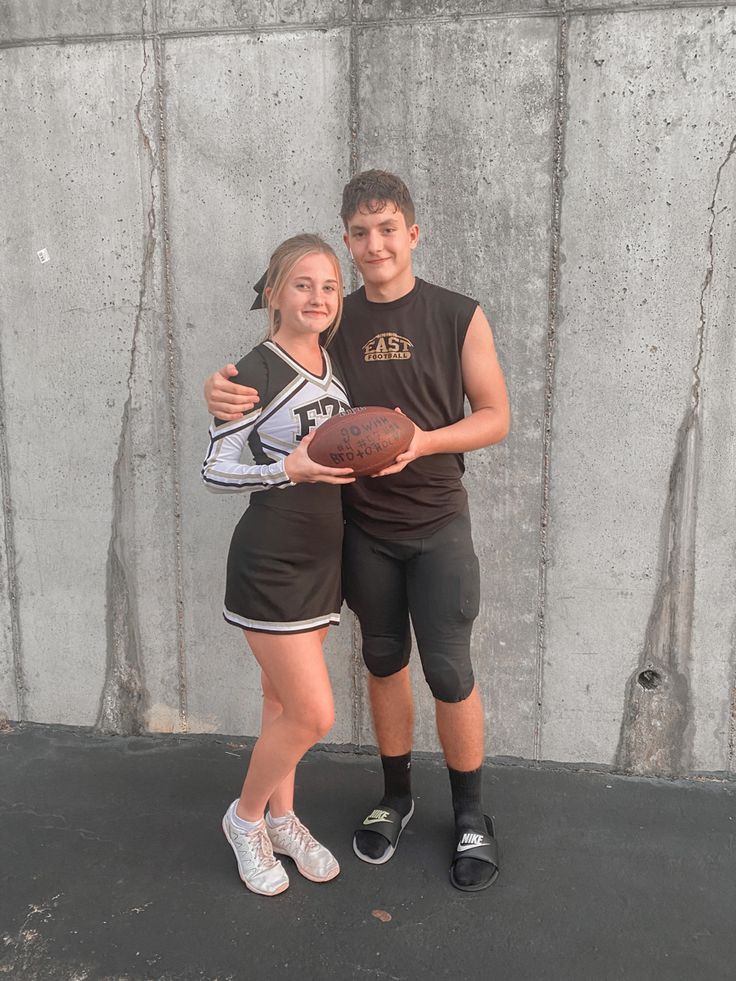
x,y
260,286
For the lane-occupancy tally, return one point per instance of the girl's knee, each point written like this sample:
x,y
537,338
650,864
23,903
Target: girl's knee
x,y
269,692
272,703
323,719
327,720
315,719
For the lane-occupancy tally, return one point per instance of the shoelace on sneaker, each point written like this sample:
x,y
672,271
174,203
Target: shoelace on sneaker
x,y
302,835
260,845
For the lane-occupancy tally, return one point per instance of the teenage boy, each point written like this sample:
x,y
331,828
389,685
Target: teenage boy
x,y
408,550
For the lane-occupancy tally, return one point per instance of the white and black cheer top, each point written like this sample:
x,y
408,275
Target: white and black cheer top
x,y
283,570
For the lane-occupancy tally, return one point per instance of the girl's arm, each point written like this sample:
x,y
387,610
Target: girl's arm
x,y
222,470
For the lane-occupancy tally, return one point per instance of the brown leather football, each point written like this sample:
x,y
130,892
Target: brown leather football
x,y
366,439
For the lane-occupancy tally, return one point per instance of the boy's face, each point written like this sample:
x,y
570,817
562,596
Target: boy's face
x,y
381,244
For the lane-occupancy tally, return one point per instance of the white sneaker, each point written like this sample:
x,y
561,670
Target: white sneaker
x,y
259,870
313,860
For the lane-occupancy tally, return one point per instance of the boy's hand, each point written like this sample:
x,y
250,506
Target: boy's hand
x,y
419,446
301,468
226,400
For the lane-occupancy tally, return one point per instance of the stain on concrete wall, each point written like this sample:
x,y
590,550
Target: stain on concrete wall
x,y
572,169
657,725
645,138
122,704
657,710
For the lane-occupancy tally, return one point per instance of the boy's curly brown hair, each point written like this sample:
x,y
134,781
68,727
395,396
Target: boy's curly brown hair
x,y
371,191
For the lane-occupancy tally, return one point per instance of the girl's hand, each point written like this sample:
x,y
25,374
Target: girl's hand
x,y
301,469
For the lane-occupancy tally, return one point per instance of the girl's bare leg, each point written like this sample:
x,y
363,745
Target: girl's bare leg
x,y
282,799
297,676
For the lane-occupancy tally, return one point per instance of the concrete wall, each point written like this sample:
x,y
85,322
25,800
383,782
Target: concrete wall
x,y
573,168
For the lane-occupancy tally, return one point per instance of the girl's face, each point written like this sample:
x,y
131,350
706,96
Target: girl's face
x,y
309,299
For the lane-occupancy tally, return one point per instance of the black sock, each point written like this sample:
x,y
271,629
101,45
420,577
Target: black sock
x,y
466,789
397,795
397,782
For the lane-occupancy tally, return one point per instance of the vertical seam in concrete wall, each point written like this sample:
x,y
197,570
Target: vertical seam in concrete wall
x,y
354,107
172,372
9,539
357,687
122,700
353,127
732,721
550,363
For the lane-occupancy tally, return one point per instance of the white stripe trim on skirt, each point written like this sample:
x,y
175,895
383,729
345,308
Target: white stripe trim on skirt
x,y
285,627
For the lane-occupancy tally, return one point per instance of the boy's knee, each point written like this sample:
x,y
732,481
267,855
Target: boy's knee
x,y
385,656
448,680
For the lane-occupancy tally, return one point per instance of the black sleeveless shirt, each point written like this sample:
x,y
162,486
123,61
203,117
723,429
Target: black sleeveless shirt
x,y
406,353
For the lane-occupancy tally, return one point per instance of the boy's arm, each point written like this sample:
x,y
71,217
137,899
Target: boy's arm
x,y
485,388
226,400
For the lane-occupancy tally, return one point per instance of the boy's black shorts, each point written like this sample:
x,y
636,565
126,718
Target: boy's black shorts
x,y
436,580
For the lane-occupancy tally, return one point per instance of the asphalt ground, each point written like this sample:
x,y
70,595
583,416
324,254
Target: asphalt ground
x,y
113,866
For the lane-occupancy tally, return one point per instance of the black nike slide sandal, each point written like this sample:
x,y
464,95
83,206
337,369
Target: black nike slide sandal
x,y
481,847
388,823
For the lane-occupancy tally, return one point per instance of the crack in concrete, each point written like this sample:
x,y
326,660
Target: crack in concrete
x,y
711,260
172,376
10,563
549,371
123,695
356,696
656,728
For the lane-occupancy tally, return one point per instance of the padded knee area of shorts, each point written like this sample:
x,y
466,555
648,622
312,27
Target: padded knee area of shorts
x,y
385,656
449,681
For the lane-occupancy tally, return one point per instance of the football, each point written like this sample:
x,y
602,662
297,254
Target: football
x,y
366,439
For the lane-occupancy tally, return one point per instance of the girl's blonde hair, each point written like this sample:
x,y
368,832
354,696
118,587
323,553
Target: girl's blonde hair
x,y
280,266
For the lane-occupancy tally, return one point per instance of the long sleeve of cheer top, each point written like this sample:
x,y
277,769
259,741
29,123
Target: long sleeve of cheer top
x,y
223,471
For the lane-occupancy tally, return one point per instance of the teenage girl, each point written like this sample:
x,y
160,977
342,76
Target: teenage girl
x,y
283,568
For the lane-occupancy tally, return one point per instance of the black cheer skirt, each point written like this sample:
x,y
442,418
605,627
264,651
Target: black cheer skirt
x,y
283,567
